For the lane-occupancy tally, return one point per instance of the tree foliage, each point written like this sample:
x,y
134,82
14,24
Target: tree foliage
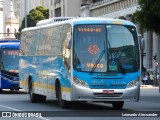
x,y
148,14
35,15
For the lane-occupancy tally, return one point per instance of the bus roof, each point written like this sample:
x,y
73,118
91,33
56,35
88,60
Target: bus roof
x,y
81,20
9,44
53,20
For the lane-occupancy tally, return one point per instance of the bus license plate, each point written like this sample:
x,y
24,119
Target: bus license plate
x,y
108,91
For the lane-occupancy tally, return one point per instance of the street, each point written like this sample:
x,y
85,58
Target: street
x,y
18,101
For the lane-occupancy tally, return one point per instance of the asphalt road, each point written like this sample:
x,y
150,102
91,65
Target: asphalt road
x,y
18,102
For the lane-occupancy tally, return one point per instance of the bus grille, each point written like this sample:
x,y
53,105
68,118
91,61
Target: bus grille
x,y
107,87
107,95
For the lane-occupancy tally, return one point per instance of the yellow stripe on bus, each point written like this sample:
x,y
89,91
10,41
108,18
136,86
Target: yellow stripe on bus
x,y
117,22
23,82
64,89
35,84
50,87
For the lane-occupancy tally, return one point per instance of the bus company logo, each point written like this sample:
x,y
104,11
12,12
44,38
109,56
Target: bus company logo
x,y
98,82
93,49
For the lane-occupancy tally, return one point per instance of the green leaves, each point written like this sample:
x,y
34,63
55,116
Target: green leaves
x,y
37,14
33,17
148,15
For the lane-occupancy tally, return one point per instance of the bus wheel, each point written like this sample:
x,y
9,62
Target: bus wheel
x,y
16,89
62,103
33,96
1,90
11,90
118,105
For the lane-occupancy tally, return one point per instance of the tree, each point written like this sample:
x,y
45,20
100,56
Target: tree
x,y
35,15
148,15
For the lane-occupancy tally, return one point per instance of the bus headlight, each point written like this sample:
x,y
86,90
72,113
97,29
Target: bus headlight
x,y
80,82
133,83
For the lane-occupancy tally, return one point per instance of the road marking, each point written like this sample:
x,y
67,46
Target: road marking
x,y
9,108
21,111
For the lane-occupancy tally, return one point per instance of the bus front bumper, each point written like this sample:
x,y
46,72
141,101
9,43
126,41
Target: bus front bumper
x,y
80,93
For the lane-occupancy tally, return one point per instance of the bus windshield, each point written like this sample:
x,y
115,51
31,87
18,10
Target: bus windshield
x,y
102,48
9,61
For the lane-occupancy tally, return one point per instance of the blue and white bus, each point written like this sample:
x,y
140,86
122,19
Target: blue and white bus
x,y
81,59
9,64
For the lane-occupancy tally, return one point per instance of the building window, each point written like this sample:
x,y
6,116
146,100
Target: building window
x,y
58,12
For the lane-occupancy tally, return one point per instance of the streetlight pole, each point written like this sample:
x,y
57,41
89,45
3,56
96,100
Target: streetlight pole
x,y
156,65
142,47
142,65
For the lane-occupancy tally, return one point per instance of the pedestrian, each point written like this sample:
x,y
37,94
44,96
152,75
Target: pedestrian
x,y
145,79
148,81
157,76
156,81
151,77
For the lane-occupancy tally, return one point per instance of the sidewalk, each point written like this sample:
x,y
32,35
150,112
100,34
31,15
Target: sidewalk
x,y
148,86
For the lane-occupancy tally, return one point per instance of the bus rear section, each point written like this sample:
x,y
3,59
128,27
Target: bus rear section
x,y
9,66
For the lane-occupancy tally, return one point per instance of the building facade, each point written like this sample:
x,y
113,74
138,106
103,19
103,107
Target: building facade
x,y
57,8
65,8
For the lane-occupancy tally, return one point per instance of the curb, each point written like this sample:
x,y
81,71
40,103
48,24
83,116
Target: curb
x,y
148,86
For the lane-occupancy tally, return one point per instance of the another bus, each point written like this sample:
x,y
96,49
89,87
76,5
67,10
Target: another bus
x,y
81,59
9,64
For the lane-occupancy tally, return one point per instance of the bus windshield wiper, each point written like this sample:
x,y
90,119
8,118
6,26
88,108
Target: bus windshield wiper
x,y
97,61
120,66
